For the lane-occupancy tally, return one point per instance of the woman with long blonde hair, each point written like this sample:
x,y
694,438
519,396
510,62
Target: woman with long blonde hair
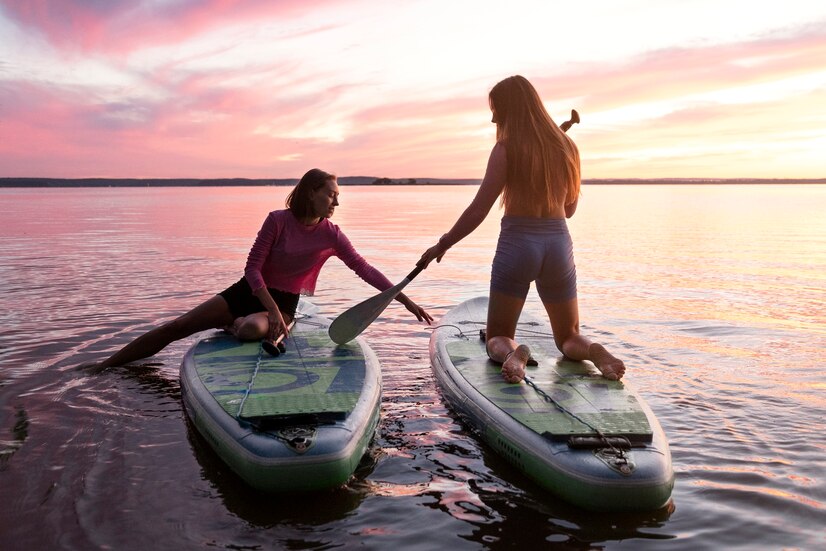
x,y
534,166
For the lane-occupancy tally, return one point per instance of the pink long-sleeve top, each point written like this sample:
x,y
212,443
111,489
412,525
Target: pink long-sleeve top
x,y
288,256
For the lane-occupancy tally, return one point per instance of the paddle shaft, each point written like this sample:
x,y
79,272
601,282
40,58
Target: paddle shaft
x,y
416,271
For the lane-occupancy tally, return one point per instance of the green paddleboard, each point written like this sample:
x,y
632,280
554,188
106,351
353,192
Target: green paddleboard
x,y
591,441
301,420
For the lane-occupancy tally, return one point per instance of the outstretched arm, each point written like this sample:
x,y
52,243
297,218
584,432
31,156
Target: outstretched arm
x,y
347,253
420,313
492,186
475,213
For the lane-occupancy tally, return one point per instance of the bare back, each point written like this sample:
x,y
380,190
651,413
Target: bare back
x,y
537,211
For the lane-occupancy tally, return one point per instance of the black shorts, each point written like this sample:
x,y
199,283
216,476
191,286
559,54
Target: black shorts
x,y
242,302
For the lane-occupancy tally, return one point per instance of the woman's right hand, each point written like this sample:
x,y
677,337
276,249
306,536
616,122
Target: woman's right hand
x,y
436,252
277,326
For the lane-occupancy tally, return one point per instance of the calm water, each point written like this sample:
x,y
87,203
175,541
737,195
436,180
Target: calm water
x,y
714,296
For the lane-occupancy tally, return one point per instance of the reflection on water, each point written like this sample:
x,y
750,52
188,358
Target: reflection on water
x,y
264,510
19,433
713,295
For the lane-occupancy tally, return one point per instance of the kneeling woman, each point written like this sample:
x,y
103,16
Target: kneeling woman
x,y
284,261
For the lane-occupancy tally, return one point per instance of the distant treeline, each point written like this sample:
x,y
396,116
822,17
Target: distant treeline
x,y
709,181
212,182
358,181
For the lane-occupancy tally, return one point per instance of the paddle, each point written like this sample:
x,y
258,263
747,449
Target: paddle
x,y
352,322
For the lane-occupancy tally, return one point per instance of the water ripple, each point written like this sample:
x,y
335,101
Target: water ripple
x,y
719,319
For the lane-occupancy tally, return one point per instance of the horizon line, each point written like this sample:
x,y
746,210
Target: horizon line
x,y
45,182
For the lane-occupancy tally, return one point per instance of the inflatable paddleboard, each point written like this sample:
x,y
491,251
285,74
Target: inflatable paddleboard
x,y
299,421
589,440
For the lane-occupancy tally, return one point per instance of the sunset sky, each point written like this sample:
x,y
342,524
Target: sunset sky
x,y
269,89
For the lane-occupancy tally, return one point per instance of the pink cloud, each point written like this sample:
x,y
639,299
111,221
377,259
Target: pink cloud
x,y
768,139
208,130
678,72
122,26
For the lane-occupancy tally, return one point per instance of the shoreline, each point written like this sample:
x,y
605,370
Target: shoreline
x,y
34,182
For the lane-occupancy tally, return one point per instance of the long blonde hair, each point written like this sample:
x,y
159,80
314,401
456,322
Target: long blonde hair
x,y
543,162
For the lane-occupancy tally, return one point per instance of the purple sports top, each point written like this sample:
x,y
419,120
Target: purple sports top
x,y
287,255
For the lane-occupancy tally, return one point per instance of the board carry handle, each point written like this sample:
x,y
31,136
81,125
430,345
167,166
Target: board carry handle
x,y
596,442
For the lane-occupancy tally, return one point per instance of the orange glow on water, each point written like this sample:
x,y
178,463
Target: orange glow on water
x,y
758,491
712,295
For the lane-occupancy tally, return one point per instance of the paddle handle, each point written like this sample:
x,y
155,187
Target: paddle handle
x,y
569,123
416,271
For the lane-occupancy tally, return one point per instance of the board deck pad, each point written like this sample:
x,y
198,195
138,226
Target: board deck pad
x,y
312,377
577,386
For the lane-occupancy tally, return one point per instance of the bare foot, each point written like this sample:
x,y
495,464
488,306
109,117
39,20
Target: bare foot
x,y
232,329
611,367
513,368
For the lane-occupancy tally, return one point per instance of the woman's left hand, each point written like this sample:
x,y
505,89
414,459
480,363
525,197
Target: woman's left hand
x,y
420,313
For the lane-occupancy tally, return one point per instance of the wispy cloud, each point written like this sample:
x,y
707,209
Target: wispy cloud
x,y
121,27
225,88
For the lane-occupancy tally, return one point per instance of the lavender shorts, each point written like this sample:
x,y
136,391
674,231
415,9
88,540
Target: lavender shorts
x,y
534,249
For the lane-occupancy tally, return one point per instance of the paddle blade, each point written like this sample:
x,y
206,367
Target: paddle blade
x,y
353,321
